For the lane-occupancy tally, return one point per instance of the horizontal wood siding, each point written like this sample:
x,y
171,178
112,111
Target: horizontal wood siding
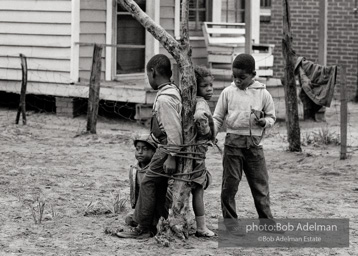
x,y
35,51
42,5
113,93
38,40
41,30
35,75
38,28
92,30
86,74
35,16
13,62
167,14
167,18
86,64
199,52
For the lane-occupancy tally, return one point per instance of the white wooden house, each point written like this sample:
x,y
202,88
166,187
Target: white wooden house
x,y
57,37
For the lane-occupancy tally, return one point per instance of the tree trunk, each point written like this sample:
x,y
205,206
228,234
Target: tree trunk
x,y
292,122
181,52
356,96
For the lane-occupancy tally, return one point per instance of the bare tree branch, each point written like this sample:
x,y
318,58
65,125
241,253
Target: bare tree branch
x,y
184,25
158,32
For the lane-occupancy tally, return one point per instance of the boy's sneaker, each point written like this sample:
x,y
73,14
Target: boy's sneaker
x,y
129,220
136,233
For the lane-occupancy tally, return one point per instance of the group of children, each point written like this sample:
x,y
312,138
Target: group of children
x,y
238,106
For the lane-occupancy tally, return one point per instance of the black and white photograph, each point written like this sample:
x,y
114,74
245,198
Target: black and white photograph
x,y
178,127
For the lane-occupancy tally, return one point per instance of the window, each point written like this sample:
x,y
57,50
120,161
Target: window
x,y
130,40
199,11
265,10
233,11
265,3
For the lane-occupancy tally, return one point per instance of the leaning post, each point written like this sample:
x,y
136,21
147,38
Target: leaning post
x,y
22,104
94,87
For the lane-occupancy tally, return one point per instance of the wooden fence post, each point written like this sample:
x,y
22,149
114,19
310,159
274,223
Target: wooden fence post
x,y
22,104
322,33
344,114
94,86
248,27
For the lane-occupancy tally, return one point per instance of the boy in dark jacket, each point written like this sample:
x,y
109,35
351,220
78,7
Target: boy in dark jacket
x,y
165,129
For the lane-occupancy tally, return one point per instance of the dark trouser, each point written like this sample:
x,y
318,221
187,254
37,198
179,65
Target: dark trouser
x,y
252,161
152,193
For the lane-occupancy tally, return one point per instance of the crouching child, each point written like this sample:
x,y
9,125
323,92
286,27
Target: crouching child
x,y
145,148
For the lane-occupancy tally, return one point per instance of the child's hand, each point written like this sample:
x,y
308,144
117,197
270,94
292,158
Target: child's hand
x,y
169,165
261,122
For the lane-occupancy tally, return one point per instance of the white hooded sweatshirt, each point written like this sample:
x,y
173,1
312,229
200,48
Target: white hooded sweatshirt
x,y
234,106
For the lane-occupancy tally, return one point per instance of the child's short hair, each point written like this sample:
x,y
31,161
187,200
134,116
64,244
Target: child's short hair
x,y
244,61
146,138
201,72
161,64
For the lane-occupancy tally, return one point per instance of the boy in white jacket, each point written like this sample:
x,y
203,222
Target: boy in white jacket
x,y
248,108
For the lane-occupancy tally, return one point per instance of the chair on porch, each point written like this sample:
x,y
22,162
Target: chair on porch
x,y
224,41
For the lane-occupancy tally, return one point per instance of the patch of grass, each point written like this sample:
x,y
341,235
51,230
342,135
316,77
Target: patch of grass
x,y
37,210
327,137
321,137
54,214
92,208
115,205
307,138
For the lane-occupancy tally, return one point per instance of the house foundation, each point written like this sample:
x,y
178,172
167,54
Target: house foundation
x,y
66,106
143,113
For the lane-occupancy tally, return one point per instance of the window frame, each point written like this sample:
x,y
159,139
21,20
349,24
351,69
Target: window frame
x,y
195,27
242,10
151,44
123,46
265,10
197,24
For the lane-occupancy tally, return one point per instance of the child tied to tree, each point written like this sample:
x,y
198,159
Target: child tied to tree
x,y
145,148
165,130
204,128
247,108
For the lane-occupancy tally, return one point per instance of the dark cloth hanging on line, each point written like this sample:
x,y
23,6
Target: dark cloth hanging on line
x,y
317,81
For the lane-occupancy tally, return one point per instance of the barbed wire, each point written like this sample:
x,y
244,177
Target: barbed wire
x,y
44,100
41,104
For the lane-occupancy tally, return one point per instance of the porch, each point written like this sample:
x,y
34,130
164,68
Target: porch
x,y
136,91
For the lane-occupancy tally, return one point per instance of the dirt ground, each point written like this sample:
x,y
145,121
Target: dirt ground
x,y
76,176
